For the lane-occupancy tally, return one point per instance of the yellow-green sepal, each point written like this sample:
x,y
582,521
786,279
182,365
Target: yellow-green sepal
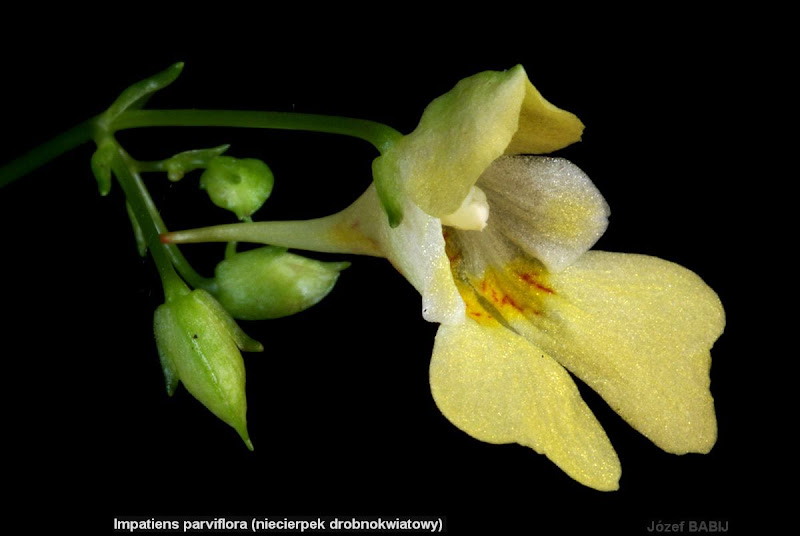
x,y
199,345
463,131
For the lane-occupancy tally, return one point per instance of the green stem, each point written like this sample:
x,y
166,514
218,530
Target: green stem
x,y
379,135
150,166
46,152
141,203
230,249
152,215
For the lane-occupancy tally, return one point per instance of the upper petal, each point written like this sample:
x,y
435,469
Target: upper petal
x,y
546,206
499,388
638,330
463,131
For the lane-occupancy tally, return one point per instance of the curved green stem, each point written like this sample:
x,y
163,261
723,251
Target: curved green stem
x,y
230,249
140,202
147,210
151,166
44,153
379,135
101,127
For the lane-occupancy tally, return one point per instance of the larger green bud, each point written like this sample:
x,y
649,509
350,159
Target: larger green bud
x,y
269,282
199,345
238,185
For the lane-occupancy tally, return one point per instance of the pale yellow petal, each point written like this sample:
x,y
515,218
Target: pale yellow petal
x,y
543,127
638,330
463,131
499,388
459,135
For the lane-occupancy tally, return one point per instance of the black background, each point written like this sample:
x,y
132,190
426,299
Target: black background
x,y
340,410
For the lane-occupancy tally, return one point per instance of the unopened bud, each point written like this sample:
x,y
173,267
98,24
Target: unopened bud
x,y
101,165
240,186
269,282
199,345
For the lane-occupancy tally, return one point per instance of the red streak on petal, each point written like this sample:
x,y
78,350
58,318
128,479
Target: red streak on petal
x,y
530,279
508,301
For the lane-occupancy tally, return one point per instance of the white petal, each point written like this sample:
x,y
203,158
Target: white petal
x,y
415,248
546,206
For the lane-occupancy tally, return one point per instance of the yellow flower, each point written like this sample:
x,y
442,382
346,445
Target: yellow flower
x,y
636,329
497,246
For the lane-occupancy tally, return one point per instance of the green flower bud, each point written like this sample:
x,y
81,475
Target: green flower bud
x,y
101,165
268,283
240,186
198,344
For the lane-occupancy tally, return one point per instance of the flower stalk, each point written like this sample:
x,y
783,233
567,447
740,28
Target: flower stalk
x,y
150,225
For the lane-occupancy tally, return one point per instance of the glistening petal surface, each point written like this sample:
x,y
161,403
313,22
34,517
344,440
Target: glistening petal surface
x,y
638,330
546,206
499,388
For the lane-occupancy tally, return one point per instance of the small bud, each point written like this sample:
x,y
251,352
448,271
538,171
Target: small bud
x,y
268,283
135,96
199,345
101,165
240,186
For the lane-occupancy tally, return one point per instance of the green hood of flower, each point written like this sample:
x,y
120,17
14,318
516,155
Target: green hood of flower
x,y
460,134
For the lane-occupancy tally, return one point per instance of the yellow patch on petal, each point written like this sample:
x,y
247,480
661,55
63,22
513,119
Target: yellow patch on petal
x,y
499,388
474,308
516,290
636,329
